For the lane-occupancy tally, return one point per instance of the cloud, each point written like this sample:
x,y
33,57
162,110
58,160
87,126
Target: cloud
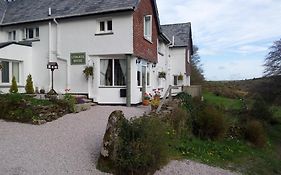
x,y
222,27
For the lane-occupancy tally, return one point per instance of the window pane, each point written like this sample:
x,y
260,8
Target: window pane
x,y
147,26
106,72
148,78
37,32
109,25
120,71
10,36
139,78
14,35
5,72
15,69
175,80
102,26
30,33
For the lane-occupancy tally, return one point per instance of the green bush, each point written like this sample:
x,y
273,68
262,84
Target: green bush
x,y
255,133
142,146
209,123
14,86
71,101
261,110
29,89
179,120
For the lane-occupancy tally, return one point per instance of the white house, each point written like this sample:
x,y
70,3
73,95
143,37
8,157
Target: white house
x,y
122,40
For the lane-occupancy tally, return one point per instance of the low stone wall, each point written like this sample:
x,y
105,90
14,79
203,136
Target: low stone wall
x,y
194,90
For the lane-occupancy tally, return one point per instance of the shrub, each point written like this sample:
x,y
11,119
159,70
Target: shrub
x,y
261,110
71,101
29,89
209,123
142,146
179,120
255,133
14,86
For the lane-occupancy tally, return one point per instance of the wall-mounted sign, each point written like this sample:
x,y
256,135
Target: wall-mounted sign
x,y
78,58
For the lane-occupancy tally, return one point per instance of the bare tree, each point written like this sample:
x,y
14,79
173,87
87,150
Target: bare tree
x,y
273,60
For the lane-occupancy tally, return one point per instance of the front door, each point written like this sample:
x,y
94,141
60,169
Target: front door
x,y
143,76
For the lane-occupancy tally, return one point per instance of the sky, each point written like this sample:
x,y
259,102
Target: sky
x,y
233,36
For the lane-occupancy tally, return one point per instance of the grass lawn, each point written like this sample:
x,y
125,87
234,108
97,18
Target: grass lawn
x,y
227,103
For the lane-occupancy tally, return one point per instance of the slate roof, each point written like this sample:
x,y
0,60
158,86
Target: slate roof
x,y
181,33
20,11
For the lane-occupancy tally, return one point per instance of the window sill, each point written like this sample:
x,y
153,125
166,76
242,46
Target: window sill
x,y
148,39
104,33
112,87
32,40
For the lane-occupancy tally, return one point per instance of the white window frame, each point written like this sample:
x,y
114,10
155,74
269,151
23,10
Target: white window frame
x,y
12,35
11,72
147,36
35,30
106,31
113,77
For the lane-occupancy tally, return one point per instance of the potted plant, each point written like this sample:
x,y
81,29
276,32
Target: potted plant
x,y
155,104
88,71
146,99
180,77
162,74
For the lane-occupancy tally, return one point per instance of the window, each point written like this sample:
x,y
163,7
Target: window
x,y
105,26
175,80
148,27
15,70
139,77
148,78
12,35
32,33
113,72
7,75
5,72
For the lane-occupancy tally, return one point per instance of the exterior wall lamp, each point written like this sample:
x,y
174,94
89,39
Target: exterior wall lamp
x,y
52,66
138,61
154,65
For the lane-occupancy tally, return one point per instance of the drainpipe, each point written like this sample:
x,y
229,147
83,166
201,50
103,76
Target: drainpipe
x,y
129,83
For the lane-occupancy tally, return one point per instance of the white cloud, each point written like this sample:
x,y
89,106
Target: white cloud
x,y
222,27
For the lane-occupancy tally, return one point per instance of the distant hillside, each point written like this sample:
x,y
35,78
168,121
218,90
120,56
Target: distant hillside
x,y
268,87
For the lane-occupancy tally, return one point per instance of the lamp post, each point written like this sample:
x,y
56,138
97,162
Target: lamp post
x,y
52,66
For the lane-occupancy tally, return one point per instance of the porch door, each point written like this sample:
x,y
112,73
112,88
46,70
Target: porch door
x,y
143,76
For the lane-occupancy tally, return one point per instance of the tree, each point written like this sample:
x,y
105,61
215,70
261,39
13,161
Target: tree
x,y
197,76
29,89
14,86
273,60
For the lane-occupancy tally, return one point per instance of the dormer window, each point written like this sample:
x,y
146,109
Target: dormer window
x,y
148,27
104,27
32,33
12,35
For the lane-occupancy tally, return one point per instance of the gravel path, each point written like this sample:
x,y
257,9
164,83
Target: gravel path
x,y
70,145
187,167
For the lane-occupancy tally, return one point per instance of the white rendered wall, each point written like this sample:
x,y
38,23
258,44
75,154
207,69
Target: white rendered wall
x,y
21,54
79,36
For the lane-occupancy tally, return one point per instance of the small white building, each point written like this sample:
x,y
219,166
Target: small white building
x,y
122,40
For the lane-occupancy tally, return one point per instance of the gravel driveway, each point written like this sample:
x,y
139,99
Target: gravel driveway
x,y
69,145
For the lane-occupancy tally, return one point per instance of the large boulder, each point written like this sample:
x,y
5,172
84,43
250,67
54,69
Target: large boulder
x,y
110,141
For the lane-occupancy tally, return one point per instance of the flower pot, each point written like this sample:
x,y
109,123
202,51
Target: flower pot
x,y
145,102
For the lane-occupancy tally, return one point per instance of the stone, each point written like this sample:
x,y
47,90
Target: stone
x,y
39,122
110,139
